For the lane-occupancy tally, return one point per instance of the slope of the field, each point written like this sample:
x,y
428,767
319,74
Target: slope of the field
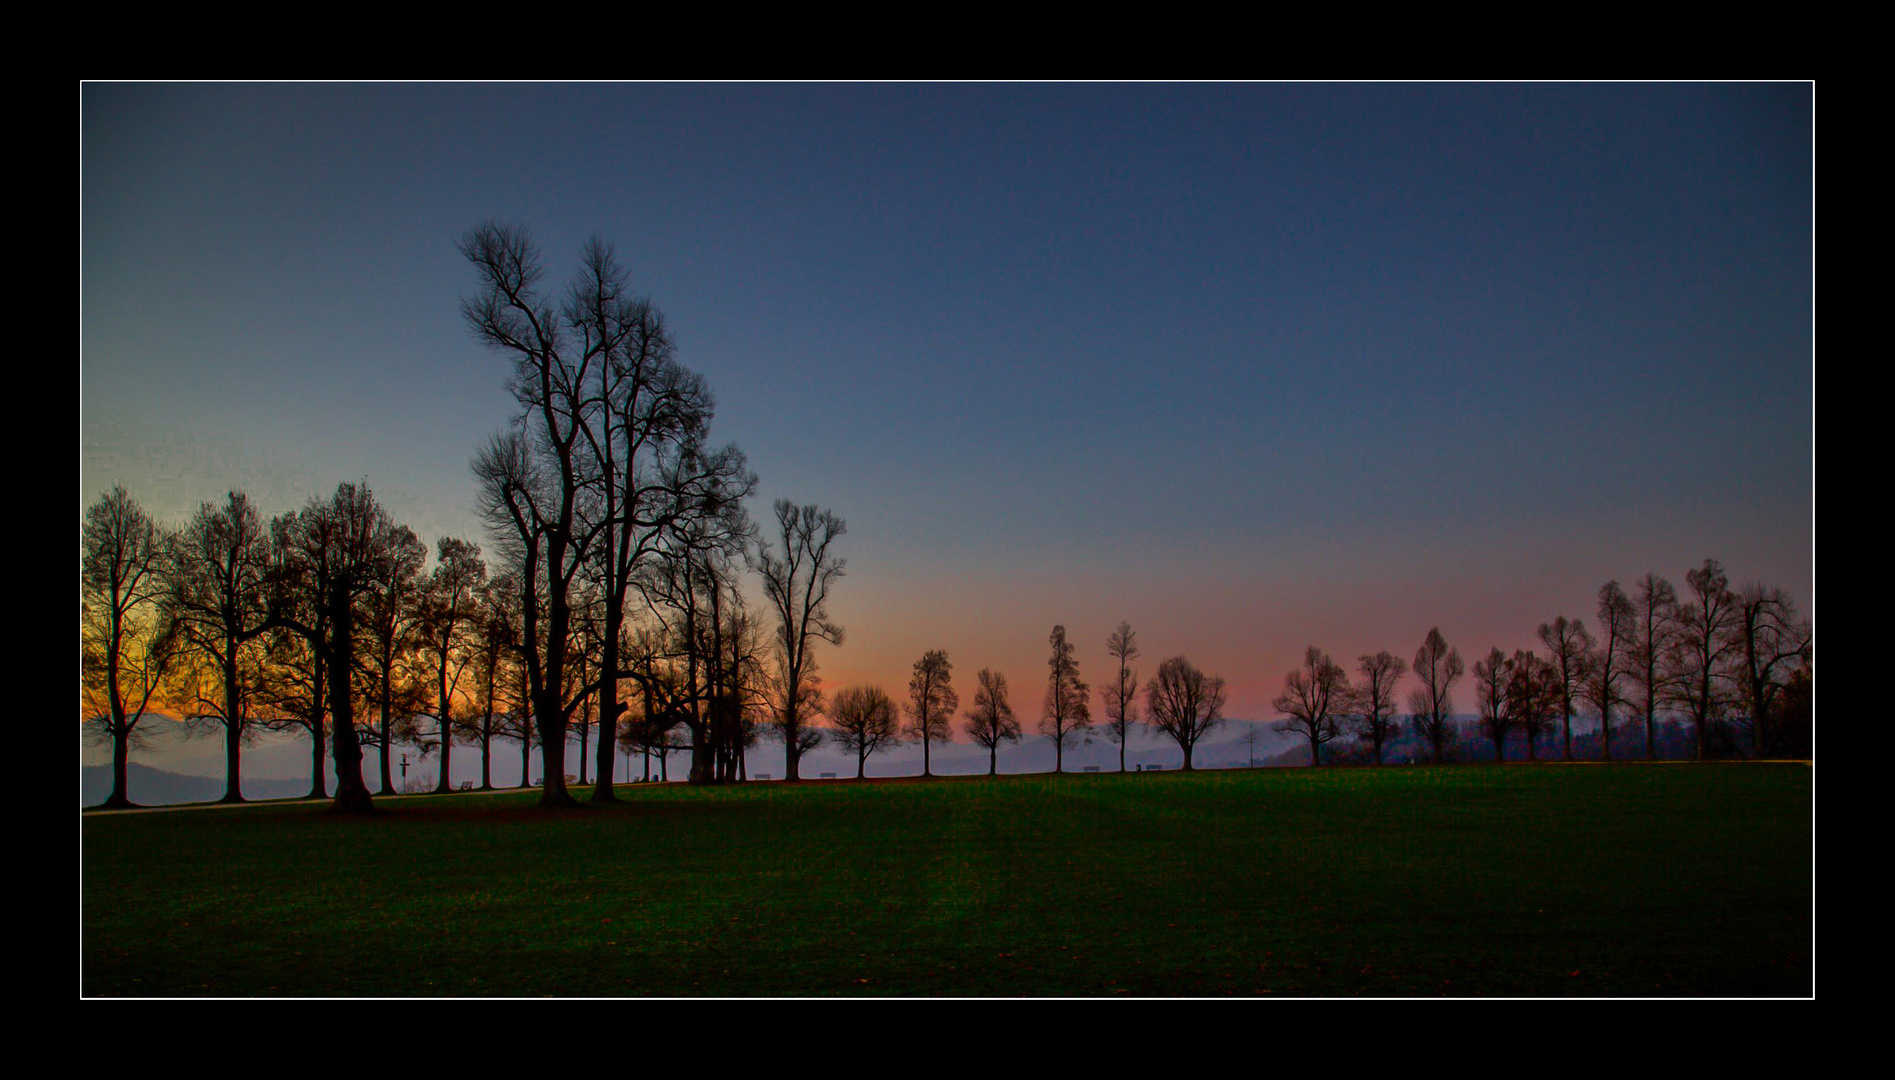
x,y
1550,880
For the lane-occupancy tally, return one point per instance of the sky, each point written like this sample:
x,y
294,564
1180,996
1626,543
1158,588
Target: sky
x,y
1252,366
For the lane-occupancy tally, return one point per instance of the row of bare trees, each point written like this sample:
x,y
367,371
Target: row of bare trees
x,y
1180,701
1735,665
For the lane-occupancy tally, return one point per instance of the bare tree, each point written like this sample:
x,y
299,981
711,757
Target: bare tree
x,y
1492,678
991,721
534,478
1121,695
1609,660
1771,638
1066,712
493,648
1655,634
1313,698
333,552
1184,703
219,596
127,639
1437,667
1704,673
1374,703
864,720
451,607
392,615
1569,650
797,577
1533,697
931,704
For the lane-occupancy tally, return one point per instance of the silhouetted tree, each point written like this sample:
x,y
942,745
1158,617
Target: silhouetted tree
x,y
864,720
1066,712
797,577
1374,703
1121,695
392,615
1533,697
991,721
220,598
1703,666
1609,659
1655,633
534,478
1313,697
931,704
646,466
127,640
446,630
334,551
1437,667
1492,677
1569,650
493,649
1771,639
1184,703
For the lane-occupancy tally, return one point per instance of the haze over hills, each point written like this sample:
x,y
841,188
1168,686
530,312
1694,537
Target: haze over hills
x,y
279,766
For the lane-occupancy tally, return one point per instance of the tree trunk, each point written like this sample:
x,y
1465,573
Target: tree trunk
x,y
352,794
993,760
118,800
233,761
553,764
233,731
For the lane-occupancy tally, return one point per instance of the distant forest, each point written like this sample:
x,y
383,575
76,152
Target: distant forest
x,y
612,600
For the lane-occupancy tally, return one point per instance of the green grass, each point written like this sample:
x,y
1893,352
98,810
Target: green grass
x,y
1549,880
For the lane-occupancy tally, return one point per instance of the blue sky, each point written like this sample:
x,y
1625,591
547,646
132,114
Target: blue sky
x,y
1254,366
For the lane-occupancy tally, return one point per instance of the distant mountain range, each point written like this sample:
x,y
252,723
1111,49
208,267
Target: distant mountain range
x,y
155,787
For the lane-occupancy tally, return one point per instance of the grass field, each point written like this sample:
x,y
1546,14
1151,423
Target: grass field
x,y
1548,880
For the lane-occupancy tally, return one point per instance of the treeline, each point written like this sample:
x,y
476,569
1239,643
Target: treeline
x,y
1734,666
614,601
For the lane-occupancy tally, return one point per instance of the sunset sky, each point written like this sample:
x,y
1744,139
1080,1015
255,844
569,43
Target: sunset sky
x,y
1252,366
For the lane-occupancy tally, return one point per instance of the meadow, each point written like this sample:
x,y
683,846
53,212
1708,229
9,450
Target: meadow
x,y
1629,879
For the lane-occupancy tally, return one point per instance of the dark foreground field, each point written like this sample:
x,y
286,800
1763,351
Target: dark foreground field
x,y
1549,880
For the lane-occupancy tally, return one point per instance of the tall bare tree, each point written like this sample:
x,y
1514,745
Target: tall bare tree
x,y
532,479
645,461
493,648
333,552
1606,667
1492,678
1703,668
451,608
219,595
1374,703
1067,711
1313,698
1184,703
1655,635
1772,639
1437,667
931,704
1569,650
1121,695
797,575
1534,697
991,721
864,720
392,616
127,639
